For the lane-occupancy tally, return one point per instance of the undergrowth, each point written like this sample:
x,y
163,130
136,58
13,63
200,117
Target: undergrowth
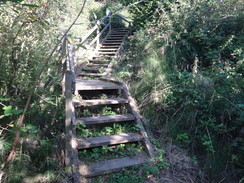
x,y
185,69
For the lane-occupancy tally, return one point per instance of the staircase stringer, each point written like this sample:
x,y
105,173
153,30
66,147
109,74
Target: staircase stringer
x,y
135,111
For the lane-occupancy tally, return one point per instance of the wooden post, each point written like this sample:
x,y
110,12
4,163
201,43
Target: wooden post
x,y
68,119
64,52
110,21
98,31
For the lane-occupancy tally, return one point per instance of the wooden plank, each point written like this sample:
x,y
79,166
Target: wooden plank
x,y
109,166
99,102
108,140
97,65
93,74
108,45
113,41
105,119
90,69
107,49
117,34
103,57
82,84
106,53
99,61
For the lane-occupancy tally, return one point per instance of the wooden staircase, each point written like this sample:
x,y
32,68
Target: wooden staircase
x,y
95,91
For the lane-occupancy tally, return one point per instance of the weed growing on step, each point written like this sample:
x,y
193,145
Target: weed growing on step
x,y
98,111
106,111
110,152
84,132
134,174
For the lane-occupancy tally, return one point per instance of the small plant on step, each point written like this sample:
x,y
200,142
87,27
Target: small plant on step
x,y
104,96
86,113
106,111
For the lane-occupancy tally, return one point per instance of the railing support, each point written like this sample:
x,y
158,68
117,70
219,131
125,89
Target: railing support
x,y
110,21
98,32
63,62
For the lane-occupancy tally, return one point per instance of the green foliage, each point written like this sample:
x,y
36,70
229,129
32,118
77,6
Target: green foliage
x,y
186,70
110,152
84,132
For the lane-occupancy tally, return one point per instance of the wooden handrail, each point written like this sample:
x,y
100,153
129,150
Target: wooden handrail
x,y
100,33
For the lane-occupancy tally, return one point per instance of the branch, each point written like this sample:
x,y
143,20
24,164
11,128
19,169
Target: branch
x,y
20,122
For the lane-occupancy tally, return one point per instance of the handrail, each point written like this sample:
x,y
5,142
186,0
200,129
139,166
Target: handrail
x,y
100,32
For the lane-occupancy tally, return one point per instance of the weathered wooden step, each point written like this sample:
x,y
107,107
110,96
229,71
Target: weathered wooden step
x,y
106,53
120,28
109,166
107,49
108,140
119,31
105,119
91,69
97,65
110,47
103,57
111,44
94,61
100,102
113,41
83,84
115,37
118,34
93,74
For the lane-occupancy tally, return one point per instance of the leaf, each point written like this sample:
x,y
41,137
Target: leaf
x,y
4,99
31,5
11,125
108,12
81,46
95,16
7,108
16,112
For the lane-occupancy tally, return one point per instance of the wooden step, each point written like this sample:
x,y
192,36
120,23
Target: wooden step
x,y
108,140
97,65
114,39
104,57
120,29
105,119
116,36
91,69
106,53
119,34
107,49
110,47
99,62
84,84
93,74
109,166
100,102
112,43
